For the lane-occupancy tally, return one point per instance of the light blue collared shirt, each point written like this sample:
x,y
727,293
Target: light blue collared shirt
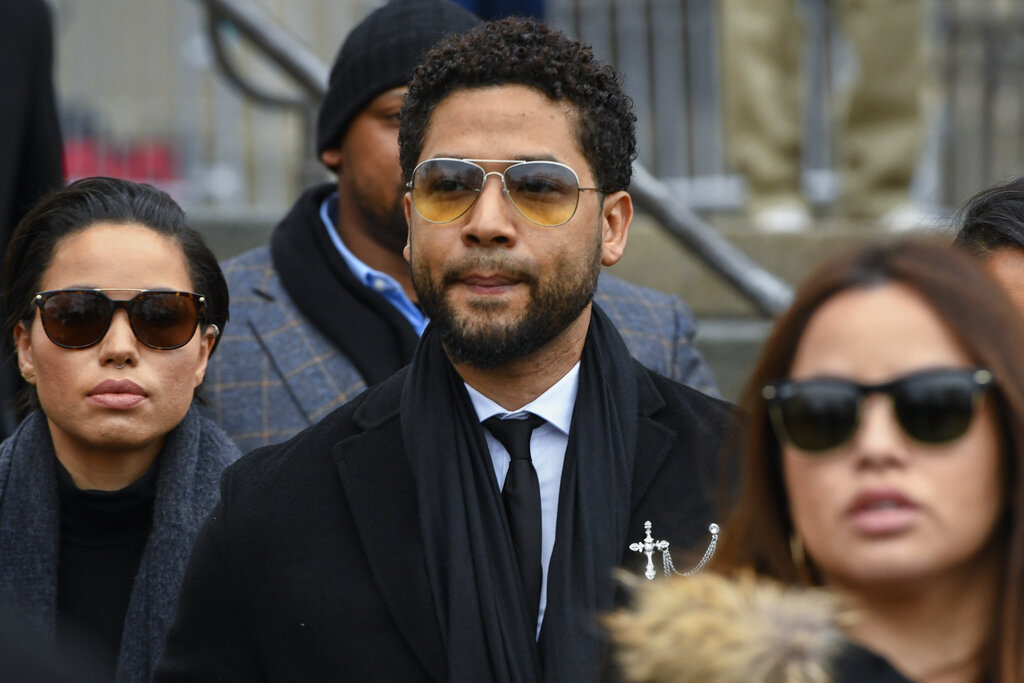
x,y
547,450
382,283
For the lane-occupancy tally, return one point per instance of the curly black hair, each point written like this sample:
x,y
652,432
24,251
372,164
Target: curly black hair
x,y
523,51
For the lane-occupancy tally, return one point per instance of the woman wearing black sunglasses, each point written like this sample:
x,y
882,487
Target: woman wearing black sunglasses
x,y
114,307
882,459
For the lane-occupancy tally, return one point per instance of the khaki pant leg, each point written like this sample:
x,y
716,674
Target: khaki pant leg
x,y
762,42
883,133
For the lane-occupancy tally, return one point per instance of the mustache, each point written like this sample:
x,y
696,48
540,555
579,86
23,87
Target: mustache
x,y
490,264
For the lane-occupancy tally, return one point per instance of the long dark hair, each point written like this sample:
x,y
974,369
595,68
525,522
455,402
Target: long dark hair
x,y
988,327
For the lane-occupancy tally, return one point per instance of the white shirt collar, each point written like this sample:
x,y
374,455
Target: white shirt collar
x,y
555,405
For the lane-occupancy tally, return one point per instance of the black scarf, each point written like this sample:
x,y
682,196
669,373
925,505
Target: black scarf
x,y
361,323
470,558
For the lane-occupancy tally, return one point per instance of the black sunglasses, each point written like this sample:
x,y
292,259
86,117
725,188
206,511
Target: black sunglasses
x,y
932,406
80,318
544,192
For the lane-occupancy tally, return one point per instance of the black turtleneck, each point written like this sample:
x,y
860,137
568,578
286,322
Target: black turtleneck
x,y
102,536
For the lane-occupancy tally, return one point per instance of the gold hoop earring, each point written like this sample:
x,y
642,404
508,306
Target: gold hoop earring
x,y
28,376
796,553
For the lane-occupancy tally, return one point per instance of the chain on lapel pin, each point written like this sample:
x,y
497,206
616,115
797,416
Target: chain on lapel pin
x,y
649,545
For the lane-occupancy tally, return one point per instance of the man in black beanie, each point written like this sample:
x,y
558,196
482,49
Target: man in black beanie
x,y
328,308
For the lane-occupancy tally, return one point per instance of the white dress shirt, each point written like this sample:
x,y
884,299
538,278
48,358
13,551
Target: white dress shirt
x,y
547,450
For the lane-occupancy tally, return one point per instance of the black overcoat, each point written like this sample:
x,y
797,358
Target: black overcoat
x,y
312,566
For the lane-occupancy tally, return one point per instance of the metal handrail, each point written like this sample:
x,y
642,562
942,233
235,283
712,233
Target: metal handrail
x,y
764,290
214,27
280,45
767,292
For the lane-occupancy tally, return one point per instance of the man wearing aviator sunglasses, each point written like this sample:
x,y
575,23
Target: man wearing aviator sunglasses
x,y
467,514
329,307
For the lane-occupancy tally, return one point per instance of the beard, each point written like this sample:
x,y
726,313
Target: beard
x,y
477,335
391,230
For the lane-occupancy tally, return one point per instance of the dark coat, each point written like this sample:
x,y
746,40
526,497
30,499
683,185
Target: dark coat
x,y
858,665
30,142
30,147
312,566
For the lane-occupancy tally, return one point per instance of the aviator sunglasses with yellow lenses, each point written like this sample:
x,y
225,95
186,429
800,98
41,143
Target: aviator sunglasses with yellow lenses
x,y
544,192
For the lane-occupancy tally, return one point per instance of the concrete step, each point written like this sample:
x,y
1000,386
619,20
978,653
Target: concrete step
x,y
731,347
654,258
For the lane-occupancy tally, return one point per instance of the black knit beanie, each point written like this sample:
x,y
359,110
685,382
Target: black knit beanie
x,y
381,53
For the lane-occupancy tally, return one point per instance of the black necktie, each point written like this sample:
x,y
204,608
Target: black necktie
x,y
521,495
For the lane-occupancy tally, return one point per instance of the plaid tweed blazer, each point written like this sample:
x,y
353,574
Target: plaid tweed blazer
x,y
274,373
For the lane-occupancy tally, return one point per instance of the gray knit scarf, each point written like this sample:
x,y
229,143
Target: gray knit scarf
x,y
187,488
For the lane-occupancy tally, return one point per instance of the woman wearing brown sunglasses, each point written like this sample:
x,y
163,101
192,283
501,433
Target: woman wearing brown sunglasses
x,y
114,307
883,459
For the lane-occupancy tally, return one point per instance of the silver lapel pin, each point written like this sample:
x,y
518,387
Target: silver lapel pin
x,y
649,545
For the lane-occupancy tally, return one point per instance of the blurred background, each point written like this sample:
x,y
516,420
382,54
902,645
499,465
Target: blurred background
x,y
172,93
